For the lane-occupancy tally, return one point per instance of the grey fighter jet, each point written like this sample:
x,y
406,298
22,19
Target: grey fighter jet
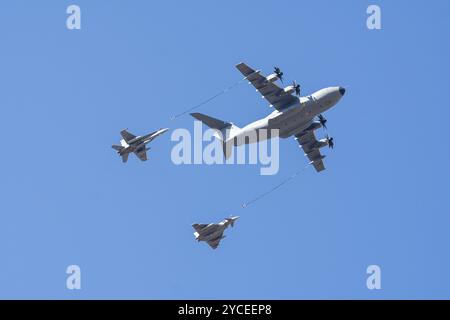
x,y
136,144
212,233
293,116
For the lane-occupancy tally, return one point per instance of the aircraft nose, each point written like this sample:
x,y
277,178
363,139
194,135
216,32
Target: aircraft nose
x,y
342,91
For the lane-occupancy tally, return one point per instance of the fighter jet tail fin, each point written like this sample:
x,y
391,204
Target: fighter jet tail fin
x,y
125,157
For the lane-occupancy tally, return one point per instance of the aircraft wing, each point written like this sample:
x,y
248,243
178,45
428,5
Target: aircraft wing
x,y
306,139
142,155
269,90
126,135
214,243
199,227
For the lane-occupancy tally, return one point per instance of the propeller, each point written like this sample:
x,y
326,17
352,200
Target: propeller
x,y
330,142
279,73
296,87
322,121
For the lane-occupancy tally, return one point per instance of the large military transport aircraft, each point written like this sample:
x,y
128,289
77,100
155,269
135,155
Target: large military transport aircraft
x,y
294,115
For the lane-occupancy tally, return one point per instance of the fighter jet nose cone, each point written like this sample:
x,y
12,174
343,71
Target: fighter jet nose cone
x,y
342,91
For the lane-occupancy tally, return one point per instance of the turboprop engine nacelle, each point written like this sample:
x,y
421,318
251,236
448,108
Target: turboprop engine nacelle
x,y
272,78
289,89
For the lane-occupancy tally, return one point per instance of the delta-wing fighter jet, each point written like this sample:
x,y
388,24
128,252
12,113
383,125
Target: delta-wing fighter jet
x,y
136,144
212,233
293,116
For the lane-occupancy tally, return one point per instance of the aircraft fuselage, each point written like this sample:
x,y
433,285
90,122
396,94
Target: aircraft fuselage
x,y
292,120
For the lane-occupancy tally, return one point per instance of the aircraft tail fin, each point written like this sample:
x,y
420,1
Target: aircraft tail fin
x,y
116,147
125,157
226,148
227,131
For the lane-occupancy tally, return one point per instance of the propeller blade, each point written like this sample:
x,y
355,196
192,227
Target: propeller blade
x,y
296,87
279,73
322,121
330,141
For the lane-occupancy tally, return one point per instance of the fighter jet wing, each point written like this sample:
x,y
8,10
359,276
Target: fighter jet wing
x,y
199,227
214,243
306,139
126,135
276,96
141,155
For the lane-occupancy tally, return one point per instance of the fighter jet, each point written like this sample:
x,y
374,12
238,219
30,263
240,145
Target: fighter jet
x,y
212,233
293,116
136,144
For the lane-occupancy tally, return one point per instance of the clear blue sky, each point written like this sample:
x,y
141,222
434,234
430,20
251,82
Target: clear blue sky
x,y
67,198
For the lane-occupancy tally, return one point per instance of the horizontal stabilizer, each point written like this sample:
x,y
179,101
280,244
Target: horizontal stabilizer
x,y
211,122
227,130
116,147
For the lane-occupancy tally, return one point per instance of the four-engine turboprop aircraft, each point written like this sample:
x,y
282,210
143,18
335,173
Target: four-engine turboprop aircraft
x,y
137,144
293,116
